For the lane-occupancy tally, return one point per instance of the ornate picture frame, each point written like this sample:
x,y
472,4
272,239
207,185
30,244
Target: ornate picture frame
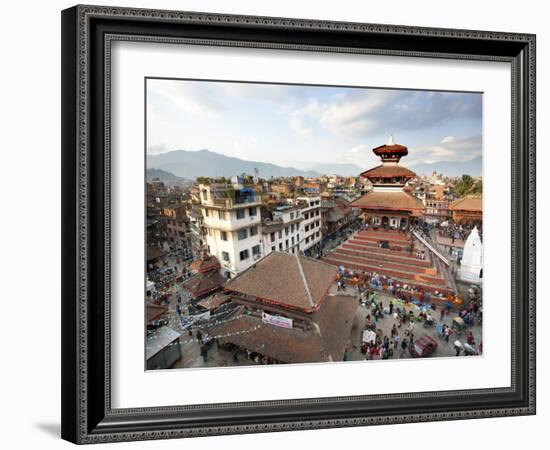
x,y
87,35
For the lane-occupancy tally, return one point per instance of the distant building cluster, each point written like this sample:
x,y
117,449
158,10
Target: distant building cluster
x,y
243,219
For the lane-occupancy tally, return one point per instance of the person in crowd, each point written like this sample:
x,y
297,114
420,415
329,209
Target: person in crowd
x,y
404,345
448,332
458,347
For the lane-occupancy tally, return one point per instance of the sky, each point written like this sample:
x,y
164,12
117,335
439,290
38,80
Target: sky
x,y
301,126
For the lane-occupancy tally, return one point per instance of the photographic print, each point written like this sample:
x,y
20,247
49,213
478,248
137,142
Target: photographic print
x,y
291,224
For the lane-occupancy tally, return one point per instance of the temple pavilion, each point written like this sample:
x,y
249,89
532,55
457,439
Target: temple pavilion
x,y
388,205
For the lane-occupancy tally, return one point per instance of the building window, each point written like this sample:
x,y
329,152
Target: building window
x,y
297,238
307,228
307,239
280,246
221,215
272,237
252,211
240,213
243,255
273,248
256,250
286,243
306,216
253,231
317,234
292,240
286,231
291,216
280,234
206,213
242,234
292,228
223,235
225,256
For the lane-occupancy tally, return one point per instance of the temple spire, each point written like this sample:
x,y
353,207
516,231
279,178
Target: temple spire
x,y
390,140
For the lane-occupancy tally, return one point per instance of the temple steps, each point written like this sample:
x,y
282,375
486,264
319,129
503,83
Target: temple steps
x,y
392,236
367,246
386,254
405,275
376,240
382,260
362,252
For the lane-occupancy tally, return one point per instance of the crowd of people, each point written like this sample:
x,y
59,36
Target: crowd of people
x,y
456,231
364,281
407,318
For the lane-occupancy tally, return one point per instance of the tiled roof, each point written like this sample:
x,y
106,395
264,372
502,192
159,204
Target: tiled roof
x,y
385,171
470,203
214,301
395,148
155,311
209,262
204,282
325,342
154,253
388,201
286,279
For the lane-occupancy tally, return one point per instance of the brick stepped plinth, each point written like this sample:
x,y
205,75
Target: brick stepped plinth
x,y
385,235
410,265
406,276
381,253
400,245
363,253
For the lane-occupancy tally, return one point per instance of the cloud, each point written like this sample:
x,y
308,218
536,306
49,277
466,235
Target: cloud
x,y
304,120
153,149
366,112
456,149
245,148
447,139
195,98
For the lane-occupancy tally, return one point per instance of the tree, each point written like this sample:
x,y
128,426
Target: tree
x,y
463,186
477,188
203,180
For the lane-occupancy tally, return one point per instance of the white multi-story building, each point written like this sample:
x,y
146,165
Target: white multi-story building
x,y
283,233
310,226
231,217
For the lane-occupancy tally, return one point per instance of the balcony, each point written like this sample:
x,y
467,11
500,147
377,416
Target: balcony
x,y
228,203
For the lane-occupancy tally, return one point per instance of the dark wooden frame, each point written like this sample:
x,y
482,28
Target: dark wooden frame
x,y
87,416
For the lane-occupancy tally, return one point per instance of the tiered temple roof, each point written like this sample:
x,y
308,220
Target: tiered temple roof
x,y
388,180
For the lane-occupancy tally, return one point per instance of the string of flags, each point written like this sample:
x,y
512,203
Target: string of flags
x,y
152,338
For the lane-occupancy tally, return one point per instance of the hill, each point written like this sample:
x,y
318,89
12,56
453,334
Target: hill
x,y
192,164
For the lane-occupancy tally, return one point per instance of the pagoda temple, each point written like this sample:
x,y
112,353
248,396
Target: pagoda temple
x,y
388,205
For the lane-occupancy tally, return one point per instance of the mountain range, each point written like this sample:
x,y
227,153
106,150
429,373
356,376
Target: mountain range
x,y
204,163
162,175
193,164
